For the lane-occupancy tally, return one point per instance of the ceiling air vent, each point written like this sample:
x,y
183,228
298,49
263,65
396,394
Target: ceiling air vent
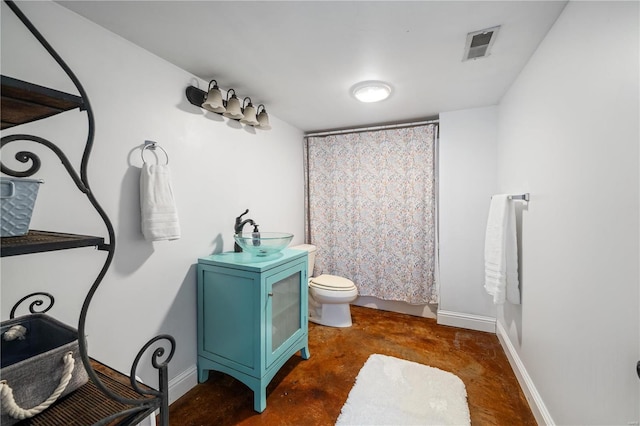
x,y
479,43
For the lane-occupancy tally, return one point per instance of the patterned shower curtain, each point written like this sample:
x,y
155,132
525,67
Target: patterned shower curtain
x,y
370,199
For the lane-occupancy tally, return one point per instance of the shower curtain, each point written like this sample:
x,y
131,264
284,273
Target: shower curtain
x,y
370,203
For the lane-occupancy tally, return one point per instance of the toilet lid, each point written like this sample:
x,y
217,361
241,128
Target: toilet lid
x,y
332,282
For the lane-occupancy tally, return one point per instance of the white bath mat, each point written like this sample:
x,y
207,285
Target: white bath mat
x,y
393,391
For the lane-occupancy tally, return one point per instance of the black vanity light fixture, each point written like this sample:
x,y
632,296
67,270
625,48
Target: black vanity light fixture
x,y
212,100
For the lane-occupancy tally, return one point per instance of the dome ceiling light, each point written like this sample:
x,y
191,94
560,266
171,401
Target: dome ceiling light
x,y
371,91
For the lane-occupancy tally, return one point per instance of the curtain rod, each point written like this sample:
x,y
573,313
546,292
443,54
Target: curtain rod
x,y
368,129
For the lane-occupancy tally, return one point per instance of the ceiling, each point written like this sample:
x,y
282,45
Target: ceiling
x,y
300,58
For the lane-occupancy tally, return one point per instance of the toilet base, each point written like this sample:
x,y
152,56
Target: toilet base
x,y
330,314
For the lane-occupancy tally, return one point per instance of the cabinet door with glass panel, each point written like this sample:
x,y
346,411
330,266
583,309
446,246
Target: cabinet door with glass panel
x,y
286,318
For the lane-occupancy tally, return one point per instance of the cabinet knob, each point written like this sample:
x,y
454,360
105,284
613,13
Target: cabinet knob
x,y
270,294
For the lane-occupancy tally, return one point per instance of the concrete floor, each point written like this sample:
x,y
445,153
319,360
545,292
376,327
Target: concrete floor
x,y
312,392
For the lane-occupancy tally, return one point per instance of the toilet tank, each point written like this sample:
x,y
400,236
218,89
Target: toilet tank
x,y
311,256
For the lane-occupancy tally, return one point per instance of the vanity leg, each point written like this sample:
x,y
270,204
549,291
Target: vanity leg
x,y
203,375
304,352
260,399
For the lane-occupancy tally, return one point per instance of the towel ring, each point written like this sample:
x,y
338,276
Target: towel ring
x,y
152,146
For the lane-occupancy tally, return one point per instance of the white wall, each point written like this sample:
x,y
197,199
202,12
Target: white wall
x,y
468,178
568,133
218,170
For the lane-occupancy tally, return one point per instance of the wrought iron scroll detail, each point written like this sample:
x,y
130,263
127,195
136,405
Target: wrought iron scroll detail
x,y
35,306
23,157
155,361
26,156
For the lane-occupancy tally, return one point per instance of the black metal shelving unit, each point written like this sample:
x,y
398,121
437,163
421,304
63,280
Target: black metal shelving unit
x,y
109,397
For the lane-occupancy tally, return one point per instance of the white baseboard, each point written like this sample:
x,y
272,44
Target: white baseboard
x,y
182,383
536,403
468,321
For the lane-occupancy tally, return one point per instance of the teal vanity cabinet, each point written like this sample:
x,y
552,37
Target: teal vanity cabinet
x,y
252,316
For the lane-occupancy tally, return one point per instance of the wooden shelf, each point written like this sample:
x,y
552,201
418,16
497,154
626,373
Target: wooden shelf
x,y
41,241
24,102
87,405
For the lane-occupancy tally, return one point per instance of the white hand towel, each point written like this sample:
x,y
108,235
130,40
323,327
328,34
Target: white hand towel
x,y
501,251
157,205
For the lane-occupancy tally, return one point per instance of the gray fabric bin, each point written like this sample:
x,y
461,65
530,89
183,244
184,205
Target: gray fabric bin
x,y
17,199
33,366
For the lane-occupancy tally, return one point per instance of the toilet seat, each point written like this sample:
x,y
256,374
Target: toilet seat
x,y
331,282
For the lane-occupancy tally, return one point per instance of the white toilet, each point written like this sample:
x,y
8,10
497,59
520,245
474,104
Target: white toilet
x,y
329,295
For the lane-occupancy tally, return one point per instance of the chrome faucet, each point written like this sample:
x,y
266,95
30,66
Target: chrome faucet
x,y
238,228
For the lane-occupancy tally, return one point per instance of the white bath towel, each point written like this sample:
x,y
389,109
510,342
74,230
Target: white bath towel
x,y
501,251
157,205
